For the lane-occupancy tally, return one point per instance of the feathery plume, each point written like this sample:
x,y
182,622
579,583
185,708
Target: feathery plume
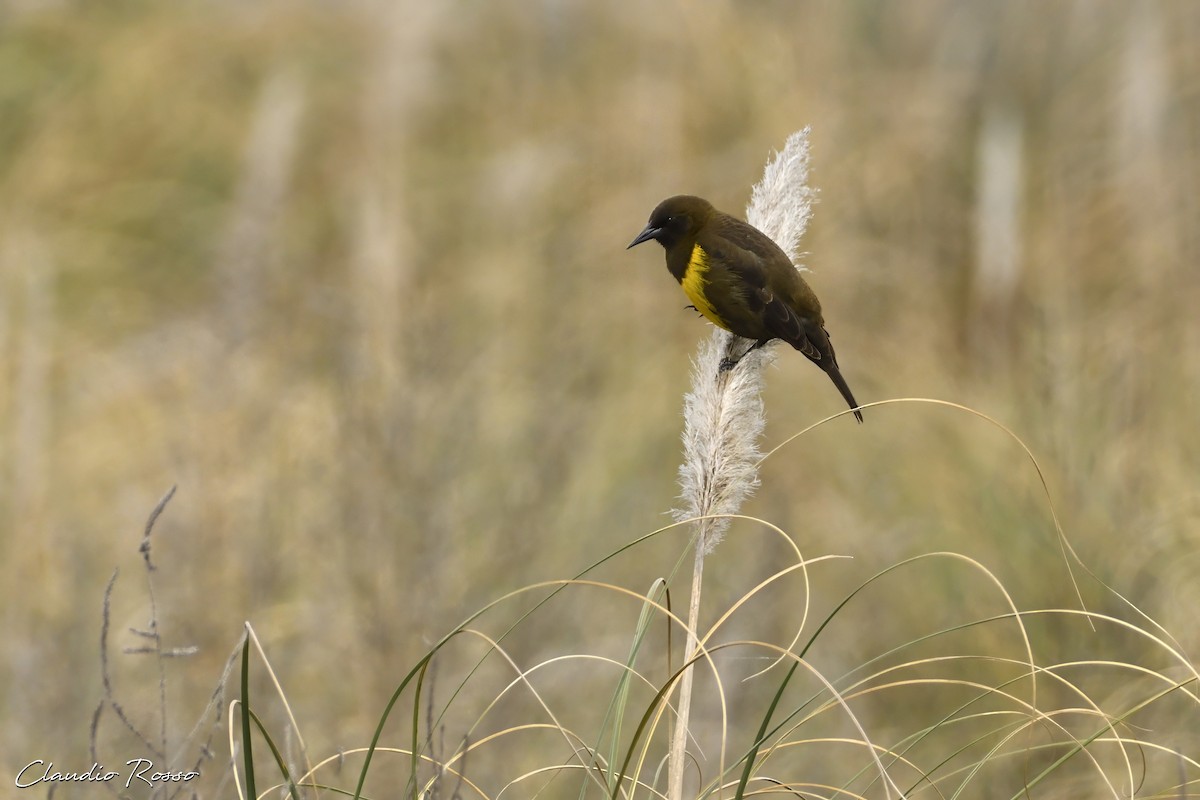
x,y
723,420
723,413
781,203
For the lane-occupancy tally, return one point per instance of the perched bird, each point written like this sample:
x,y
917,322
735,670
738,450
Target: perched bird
x,y
738,278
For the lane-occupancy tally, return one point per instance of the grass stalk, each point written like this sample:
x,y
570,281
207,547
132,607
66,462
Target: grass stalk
x,y
723,415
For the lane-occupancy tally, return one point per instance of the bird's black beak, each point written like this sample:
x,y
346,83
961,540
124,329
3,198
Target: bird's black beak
x,y
646,235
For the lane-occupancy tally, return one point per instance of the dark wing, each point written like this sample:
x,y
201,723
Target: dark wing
x,y
753,249
786,324
805,332
748,237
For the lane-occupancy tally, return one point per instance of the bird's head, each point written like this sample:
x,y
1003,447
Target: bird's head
x,y
675,219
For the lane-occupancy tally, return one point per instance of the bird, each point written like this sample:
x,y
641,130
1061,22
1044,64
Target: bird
x,y
740,280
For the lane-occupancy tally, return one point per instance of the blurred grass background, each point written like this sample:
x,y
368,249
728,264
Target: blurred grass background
x,y
353,276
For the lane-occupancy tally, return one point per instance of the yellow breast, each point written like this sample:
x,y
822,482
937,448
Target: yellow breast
x,y
695,282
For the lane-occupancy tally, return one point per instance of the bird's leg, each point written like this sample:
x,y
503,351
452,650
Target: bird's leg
x,y
728,363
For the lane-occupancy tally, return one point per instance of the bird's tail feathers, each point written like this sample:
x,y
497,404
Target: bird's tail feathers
x,y
836,375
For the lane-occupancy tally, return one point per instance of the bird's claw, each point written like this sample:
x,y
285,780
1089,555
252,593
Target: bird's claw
x,y
726,365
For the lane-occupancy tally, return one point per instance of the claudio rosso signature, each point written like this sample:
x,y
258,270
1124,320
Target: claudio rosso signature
x,y
138,770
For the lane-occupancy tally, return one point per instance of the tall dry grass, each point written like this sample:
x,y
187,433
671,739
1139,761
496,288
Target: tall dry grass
x,y
351,276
